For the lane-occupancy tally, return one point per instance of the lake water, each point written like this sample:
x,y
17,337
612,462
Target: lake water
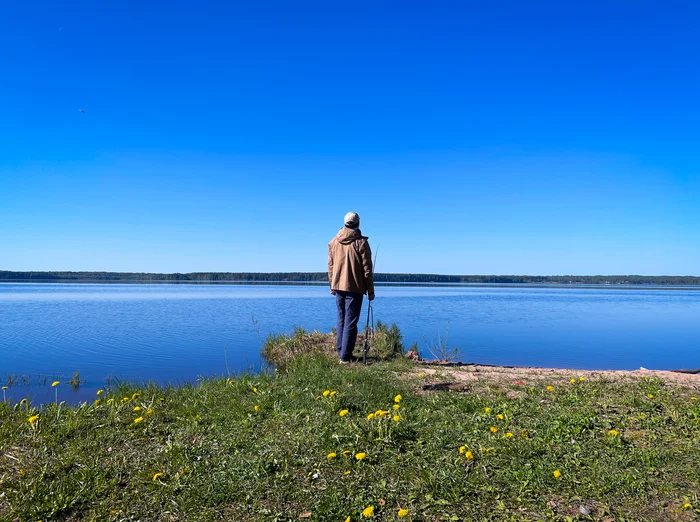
x,y
176,333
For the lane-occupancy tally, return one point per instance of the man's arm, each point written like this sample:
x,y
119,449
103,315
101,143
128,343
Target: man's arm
x,y
330,269
366,255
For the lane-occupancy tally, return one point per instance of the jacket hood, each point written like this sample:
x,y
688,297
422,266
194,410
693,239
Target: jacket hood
x,y
347,235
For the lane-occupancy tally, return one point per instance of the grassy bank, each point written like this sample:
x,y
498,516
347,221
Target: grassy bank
x,y
276,447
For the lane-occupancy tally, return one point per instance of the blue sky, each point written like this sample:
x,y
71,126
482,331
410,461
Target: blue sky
x,y
491,137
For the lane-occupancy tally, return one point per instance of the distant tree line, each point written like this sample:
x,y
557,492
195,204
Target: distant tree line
x,y
524,279
302,277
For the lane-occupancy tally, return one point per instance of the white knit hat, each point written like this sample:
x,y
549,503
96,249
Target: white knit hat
x,y
352,220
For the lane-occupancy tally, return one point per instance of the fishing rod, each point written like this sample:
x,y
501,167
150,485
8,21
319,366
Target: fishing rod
x,y
370,314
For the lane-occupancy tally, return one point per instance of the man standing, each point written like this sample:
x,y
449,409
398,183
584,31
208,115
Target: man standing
x,y
350,277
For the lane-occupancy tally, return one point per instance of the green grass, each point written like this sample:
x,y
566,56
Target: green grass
x,y
220,459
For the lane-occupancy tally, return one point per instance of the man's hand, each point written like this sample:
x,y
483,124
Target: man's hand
x,y
371,296
332,292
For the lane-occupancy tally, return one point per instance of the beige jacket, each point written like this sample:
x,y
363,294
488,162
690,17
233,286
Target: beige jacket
x,y
350,262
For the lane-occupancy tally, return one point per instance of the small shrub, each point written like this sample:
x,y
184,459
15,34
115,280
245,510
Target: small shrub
x,y
441,349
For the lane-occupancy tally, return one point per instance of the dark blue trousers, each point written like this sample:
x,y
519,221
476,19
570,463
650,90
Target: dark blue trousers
x,y
349,307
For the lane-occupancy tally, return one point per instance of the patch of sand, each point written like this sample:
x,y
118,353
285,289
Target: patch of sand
x,y
507,375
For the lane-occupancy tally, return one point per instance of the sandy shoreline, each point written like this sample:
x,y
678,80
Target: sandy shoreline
x,y
502,374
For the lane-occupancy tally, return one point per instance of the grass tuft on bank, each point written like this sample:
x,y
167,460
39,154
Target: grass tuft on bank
x,y
386,342
323,441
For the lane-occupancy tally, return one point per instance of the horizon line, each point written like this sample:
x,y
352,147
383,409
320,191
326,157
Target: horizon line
x,y
317,272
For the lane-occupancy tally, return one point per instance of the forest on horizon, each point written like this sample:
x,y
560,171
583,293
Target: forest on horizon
x,y
310,277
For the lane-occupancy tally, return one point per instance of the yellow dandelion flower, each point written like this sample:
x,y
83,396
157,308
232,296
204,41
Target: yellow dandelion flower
x,y
343,413
256,407
493,429
556,473
135,396
318,397
97,402
149,411
523,433
55,383
110,400
255,390
347,519
157,476
396,418
462,449
326,393
379,413
550,388
397,399
333,393
499,416
612,433
125,399
347,452
368,512
360,456
402,513
693,398
572,380
396,406
347,472
420,374
469,455
487,410
687,505
487,450
581,379
370,416
509,435
650,396
138,419
332,455
33,419
100,392
137,408
21,472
